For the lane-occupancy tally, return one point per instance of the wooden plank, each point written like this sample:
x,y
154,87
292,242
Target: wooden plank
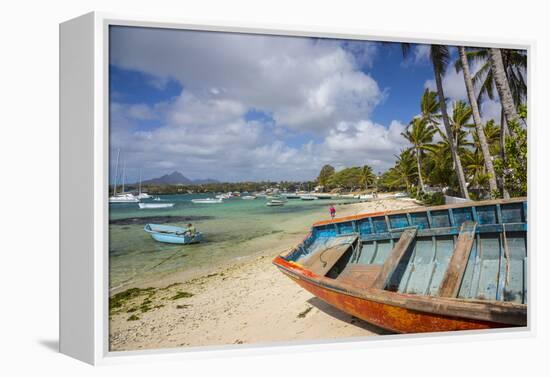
x,y
323,260
450,284
360,276
389,266
424,209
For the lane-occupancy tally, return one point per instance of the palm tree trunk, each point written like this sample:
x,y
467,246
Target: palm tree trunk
x,y
503,134
503,87
419,167
450,136
477,121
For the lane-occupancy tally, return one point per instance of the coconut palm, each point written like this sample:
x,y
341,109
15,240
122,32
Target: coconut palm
x,y
477,119
403,173
429,107
439,56
367,176
502,85
420,134
515,64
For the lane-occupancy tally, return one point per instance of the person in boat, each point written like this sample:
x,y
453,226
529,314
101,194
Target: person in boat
x,y
191,230
332,211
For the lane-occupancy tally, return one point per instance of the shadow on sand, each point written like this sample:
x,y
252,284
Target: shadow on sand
x,y
342,316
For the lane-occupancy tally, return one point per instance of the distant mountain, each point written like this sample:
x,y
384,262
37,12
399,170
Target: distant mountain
x,y
176,178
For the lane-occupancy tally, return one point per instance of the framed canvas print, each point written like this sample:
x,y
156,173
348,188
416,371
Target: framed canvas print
x,y
225,187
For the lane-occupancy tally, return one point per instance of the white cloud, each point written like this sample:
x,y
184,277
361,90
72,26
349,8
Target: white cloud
x,y
309,87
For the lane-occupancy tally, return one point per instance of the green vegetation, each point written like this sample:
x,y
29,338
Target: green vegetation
x,y
181,294
133,317
118,300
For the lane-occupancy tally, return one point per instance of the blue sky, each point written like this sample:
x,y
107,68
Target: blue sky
x,y
237,107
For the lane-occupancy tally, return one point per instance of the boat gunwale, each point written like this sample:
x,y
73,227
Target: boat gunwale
x,y
483,310
419,209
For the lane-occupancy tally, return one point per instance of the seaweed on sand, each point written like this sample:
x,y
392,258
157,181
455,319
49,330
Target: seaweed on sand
x,y
157,220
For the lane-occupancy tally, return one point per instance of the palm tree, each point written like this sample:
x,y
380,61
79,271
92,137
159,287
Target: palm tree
x,y
462,114
367,176
420,134
477,120
515,64
439,56
429,107
403,173
502,85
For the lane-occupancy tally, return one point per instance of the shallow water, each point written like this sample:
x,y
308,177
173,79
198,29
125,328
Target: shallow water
x,y
233,229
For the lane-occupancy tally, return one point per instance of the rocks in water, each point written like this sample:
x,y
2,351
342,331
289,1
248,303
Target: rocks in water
x,y
157,220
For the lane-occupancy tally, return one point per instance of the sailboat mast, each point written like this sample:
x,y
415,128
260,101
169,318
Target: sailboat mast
x,y
116,171
123,175
139,181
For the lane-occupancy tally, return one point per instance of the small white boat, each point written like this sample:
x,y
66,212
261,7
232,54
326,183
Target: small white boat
x,y
309,197
275,203
123,198
155,205
157,199
248,197
207,201
290,195
144,195
223,196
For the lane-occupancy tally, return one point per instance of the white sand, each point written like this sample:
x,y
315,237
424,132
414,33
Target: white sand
x,y
247,302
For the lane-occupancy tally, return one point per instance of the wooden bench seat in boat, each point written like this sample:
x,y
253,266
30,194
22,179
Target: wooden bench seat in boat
x,y
360,275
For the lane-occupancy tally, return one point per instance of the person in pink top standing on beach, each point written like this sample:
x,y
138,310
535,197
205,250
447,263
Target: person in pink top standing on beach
x,y
332,211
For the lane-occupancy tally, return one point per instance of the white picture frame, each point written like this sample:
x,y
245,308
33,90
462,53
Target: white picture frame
x,y
84,156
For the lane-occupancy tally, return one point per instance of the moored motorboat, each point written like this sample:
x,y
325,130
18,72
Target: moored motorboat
x,y
248,197
275,203
446,268
207,201
308,197
172,234
289,195
123,198
155,205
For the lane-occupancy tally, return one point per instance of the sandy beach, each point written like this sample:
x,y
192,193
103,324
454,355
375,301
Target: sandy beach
x,y
245,301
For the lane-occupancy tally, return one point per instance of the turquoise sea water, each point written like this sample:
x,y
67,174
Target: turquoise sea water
x,y
233,229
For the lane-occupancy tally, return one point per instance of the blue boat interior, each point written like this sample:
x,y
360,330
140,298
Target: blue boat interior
x,y
495,257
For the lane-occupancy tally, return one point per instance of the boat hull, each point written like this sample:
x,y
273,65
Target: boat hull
x,y
166,238
171,234
155,205
394,318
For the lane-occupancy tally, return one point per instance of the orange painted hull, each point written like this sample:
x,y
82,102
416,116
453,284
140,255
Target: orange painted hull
x,y
393,318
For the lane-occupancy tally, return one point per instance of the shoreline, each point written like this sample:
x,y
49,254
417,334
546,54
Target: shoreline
x,y
246,300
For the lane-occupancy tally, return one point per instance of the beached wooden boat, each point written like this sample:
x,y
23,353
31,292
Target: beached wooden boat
x,y
446,268
171,234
